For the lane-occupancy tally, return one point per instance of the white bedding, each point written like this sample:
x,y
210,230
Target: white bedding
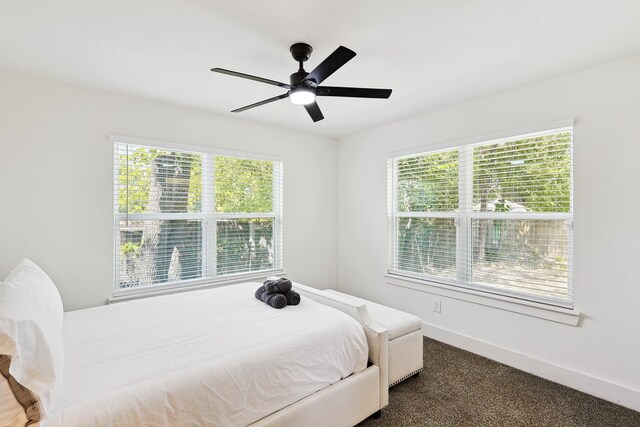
x,y
212,357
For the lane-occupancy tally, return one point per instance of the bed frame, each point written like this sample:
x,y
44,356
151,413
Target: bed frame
x,y
352,399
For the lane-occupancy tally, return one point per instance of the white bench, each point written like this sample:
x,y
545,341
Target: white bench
x,y
405,337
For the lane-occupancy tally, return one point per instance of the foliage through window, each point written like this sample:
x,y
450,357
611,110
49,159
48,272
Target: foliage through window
x,y
495,216
184,217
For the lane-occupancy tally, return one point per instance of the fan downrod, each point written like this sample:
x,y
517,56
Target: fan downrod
x,y
300,52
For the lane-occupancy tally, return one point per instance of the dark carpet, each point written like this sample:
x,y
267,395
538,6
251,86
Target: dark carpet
x,y
458,388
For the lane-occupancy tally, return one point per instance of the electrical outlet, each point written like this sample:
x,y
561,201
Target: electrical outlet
x,y
437,306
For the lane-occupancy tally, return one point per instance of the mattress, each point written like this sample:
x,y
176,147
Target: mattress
x,y
211,357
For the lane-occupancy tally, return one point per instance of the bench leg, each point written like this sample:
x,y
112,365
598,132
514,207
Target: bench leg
x,y
377,415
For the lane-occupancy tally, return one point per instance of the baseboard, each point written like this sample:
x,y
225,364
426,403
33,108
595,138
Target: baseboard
x,y
586,383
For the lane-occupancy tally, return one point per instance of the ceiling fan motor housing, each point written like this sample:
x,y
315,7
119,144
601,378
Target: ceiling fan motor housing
x,y
297,77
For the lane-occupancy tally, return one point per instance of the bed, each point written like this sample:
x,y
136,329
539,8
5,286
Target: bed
x,y
212,357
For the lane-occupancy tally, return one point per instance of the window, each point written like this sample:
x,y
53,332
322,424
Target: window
x,y
495,216
189,217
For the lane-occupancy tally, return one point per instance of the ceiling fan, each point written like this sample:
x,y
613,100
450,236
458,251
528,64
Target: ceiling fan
x,y
305,87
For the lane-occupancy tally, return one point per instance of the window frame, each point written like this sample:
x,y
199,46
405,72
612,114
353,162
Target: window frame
x,y
208,216
464,218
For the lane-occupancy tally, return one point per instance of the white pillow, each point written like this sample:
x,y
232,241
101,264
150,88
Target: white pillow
x,y
31,335
28,274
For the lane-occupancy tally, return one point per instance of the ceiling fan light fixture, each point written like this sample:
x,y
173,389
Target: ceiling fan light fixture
x,y
302,96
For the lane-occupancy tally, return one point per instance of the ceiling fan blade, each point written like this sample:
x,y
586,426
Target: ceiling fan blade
x,y
257,104
353,92
337,59
250,77
314,111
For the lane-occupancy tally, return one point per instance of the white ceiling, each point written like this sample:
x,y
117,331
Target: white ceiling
x,y
432,53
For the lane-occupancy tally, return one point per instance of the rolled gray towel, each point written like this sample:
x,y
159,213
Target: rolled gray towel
x,y
278,286
273,300
293,298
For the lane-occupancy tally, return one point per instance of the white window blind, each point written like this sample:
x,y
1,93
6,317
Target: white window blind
x,y
494,216
184,217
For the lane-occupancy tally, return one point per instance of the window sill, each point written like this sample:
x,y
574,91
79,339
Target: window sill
x,y
192,285
566,316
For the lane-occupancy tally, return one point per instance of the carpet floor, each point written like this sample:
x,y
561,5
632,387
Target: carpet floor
x,y
460,389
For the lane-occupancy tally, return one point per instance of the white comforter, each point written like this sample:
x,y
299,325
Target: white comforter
x,y
213,357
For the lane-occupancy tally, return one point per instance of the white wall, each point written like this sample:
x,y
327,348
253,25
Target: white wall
x,y
599,356
56,173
